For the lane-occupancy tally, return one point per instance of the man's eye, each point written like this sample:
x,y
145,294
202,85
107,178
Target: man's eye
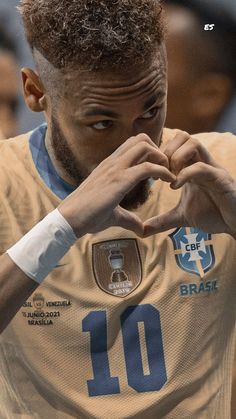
x,y
150,114
102,125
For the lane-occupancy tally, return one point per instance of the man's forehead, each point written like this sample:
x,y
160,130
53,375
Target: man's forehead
x,y
129,82
76,83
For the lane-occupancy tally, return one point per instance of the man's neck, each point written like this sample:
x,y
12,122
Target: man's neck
x,y
57,165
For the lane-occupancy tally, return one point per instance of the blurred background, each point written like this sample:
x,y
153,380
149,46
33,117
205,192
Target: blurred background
x,y
201,47
15,118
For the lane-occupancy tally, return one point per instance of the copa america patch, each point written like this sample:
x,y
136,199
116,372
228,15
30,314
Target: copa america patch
x,y
193,250
117,266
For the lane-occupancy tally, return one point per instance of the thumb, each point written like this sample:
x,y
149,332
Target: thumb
x,y
128,220
163,222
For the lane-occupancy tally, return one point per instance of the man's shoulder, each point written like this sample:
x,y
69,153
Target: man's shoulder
x,y
13,150
15,143
14,153
217,140
208,138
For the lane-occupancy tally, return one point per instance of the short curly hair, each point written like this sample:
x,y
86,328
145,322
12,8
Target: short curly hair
x,y
94,34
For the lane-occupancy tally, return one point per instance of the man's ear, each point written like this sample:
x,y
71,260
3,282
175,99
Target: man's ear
x,y
33,90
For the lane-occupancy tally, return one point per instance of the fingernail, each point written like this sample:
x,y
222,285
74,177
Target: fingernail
x,y
174,185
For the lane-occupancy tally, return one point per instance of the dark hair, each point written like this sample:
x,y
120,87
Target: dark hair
x,y
216,49
96,34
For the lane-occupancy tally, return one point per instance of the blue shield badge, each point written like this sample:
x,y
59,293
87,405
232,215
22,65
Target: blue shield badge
x,y
194,251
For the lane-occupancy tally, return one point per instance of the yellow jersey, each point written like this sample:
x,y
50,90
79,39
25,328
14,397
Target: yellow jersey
x,y
123,327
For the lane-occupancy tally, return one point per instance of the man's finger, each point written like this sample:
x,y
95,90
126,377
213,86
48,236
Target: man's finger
x,y
201,173
132,142
149,170
188,154
142,152
128,221
185,150
179,139
164,222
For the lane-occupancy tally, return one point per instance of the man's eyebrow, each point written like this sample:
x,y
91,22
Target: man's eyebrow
x,y
111,114
151,101
99,112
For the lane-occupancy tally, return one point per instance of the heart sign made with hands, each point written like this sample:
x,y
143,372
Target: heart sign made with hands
x,y
208,199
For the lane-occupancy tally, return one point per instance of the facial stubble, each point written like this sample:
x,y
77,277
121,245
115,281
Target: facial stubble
x,y
64,155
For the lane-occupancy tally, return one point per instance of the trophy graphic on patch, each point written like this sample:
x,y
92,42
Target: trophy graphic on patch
x,y
116,260
117,266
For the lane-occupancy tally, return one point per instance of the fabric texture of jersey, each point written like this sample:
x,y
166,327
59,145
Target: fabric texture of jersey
x,y
123,327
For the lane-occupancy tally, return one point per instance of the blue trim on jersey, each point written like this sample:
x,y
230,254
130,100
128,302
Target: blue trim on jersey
x,y
44,164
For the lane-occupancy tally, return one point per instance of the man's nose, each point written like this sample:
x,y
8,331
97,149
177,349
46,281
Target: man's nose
x,y
133,130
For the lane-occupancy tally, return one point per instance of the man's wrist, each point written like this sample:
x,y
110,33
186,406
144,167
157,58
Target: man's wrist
x,y
39,251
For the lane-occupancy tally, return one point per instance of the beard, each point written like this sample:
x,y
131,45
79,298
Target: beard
x,y
63,154
137,196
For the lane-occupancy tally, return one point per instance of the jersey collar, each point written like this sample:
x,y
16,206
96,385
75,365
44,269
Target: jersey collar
x,y
45,166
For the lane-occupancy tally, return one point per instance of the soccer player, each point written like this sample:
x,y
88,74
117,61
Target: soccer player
x,y
121,287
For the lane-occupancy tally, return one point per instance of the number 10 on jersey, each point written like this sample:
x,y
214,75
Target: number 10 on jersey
x,y
96,324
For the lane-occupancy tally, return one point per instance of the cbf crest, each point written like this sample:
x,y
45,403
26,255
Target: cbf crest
x,y
193,249
117,266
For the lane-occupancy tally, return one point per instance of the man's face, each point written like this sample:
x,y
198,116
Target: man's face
x,y
9,94
100,111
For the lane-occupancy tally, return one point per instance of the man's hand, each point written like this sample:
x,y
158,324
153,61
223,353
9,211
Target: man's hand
x,y
208,199
94,205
